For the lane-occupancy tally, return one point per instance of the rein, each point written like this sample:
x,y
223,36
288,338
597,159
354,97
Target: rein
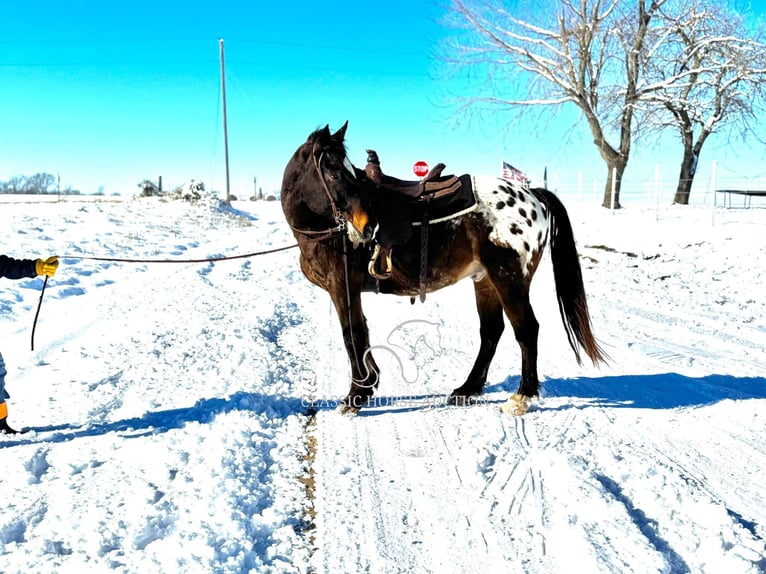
x,y
125,260
315,236
202,260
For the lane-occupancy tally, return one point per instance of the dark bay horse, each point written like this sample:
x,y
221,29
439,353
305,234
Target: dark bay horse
x,y
330,206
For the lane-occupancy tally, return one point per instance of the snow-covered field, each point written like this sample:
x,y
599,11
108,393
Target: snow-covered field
x,y
172,427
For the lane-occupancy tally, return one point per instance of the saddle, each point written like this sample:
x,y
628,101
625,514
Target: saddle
x,y
432,184
401,205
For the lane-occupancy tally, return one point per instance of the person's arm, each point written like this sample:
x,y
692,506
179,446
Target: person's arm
x,y
20,268
17,268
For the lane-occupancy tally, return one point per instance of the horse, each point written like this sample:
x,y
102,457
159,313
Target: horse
x,y
330,205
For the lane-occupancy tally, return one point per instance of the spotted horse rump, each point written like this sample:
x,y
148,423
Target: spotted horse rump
x,y
519,220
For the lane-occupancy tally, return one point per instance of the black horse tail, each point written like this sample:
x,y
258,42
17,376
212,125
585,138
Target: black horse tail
x,y
567,274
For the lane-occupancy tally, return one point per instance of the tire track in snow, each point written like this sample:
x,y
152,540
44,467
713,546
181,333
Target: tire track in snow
x,y
649,479
401,461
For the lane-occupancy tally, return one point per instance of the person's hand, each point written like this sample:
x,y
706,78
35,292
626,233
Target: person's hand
x,y
47,266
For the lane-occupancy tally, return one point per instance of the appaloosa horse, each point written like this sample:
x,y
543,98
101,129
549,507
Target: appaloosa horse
x,y
330,206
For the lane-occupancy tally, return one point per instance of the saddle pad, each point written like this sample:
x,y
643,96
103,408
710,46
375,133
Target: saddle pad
x,y
445,207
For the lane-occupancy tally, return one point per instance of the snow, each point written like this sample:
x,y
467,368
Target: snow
x,y
183,415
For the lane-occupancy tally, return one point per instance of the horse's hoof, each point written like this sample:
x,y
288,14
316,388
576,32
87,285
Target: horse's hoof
x,y
348,410
516,405
353,404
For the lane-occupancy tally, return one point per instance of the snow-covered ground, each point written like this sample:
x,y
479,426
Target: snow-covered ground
x,y
173,428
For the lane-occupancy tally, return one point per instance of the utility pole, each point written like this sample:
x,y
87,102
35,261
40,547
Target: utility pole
x,y
225,131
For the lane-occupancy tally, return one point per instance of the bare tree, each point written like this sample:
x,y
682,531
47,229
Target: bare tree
x,y
15,184
39,183
710,78
590,53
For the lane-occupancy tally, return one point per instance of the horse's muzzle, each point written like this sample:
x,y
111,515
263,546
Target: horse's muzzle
x,y
359,228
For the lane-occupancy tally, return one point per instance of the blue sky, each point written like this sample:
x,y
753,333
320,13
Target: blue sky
x,y
106,96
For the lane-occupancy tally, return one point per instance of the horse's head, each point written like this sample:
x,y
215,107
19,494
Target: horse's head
x,y
321,189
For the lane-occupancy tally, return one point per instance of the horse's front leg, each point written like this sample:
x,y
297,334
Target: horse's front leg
x,y
364,371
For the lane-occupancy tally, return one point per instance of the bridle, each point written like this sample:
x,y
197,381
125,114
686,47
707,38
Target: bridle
x,y
337,215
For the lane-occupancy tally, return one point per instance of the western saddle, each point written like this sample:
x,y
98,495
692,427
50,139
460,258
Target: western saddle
x,y
410,194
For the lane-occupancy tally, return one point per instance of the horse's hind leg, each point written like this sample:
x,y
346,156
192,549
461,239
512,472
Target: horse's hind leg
x,y
491,327
514,294
526,328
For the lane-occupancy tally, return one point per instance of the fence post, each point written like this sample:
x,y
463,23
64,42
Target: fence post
x,y
711,187
657,192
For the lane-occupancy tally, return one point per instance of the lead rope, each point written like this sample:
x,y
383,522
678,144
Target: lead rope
x,y
39,304
125,260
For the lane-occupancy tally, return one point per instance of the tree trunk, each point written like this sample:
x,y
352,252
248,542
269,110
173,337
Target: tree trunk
x,y
686,178
617,168
689,167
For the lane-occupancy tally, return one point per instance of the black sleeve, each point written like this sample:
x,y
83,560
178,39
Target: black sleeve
x,y
17,268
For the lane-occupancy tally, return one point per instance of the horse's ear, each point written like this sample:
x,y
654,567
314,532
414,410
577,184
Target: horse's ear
x,y
340,135
325,132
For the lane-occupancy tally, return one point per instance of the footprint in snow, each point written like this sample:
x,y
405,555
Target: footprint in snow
x,y
37,466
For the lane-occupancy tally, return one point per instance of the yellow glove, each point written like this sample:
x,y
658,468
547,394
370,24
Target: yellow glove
x,y
47,266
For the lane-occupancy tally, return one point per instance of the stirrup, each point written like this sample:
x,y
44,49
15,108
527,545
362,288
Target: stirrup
x,y
384,273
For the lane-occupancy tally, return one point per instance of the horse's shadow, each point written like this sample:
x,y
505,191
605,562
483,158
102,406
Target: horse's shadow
x,y
660,391
157,422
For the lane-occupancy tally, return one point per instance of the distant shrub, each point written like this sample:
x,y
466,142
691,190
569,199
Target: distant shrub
x,y
191,191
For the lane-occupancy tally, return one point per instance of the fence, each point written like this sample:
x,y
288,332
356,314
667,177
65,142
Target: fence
x,y
656,190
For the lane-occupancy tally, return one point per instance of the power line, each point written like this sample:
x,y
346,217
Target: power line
x,y
343,68
186,40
